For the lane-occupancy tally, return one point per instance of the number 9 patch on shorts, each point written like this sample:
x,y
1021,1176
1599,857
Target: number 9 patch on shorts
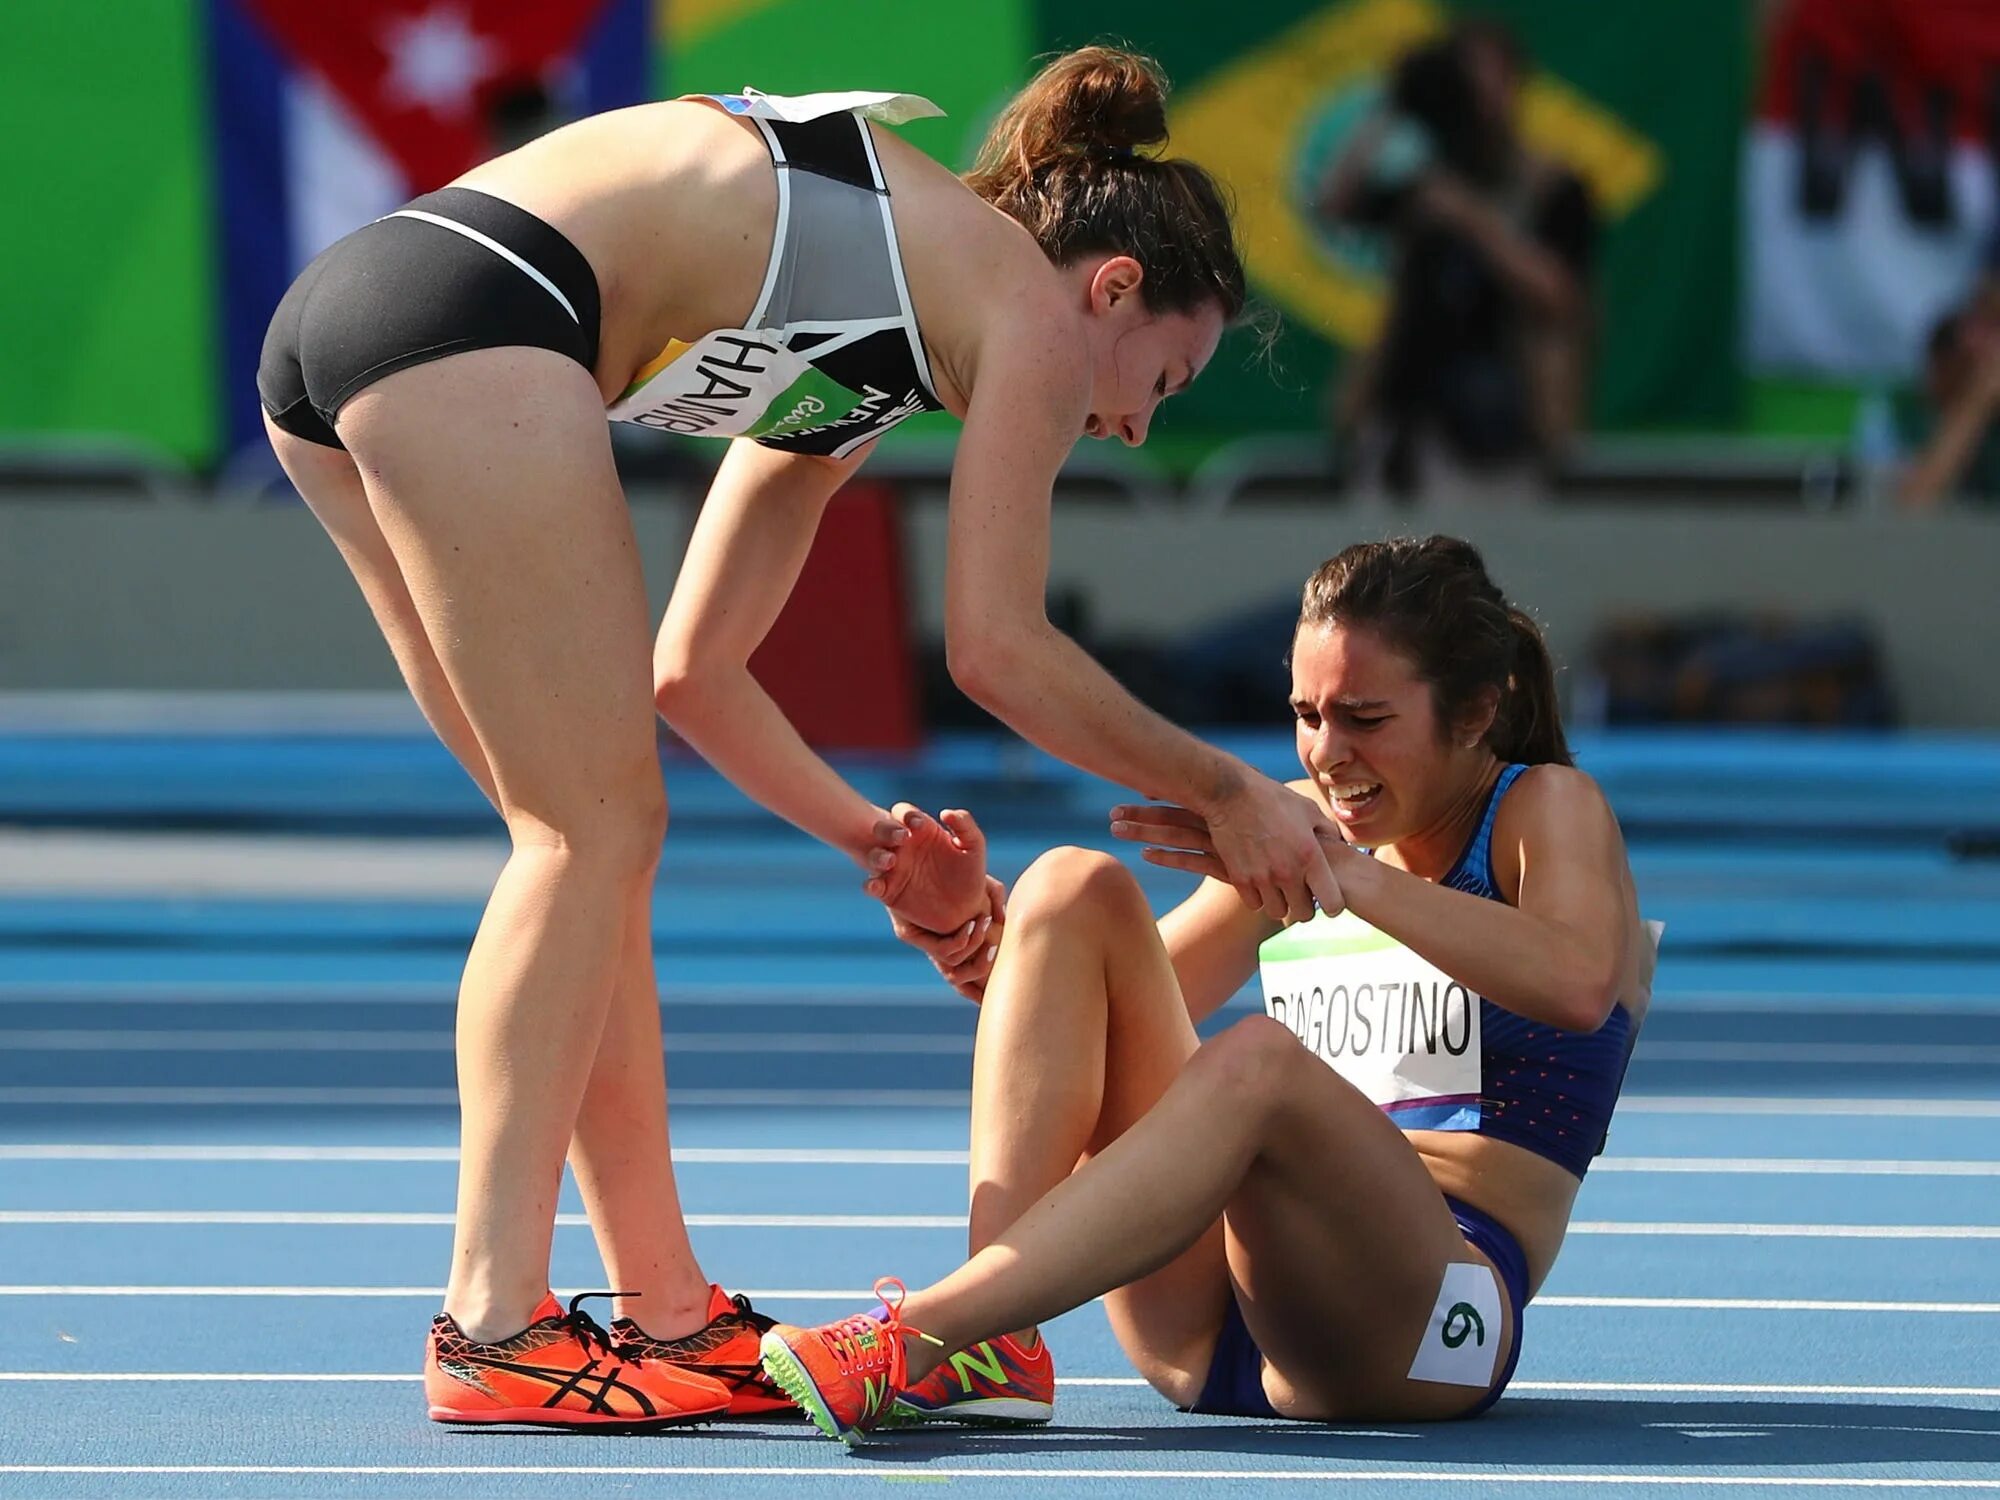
x,y
1462,1340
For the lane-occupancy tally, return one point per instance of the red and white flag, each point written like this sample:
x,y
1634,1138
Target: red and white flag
x,y
1868,181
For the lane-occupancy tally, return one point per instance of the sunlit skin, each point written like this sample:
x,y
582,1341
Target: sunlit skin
x,y
1366,718
1139,357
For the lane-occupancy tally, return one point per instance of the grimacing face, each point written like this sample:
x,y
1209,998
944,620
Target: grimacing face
x,y
1140,357
1370,737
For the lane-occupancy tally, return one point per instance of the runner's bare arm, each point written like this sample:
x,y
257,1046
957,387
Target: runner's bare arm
x,y
1557,956
1212,940
1028,408
749,543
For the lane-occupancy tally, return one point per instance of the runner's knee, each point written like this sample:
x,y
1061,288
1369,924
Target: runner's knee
x,y
612,829
1072,885
1248,1064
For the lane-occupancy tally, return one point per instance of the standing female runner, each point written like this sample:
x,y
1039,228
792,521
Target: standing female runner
x,y
436,384
1268,1241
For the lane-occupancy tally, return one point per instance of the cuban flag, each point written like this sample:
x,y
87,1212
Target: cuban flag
x,y
1869,180
327,116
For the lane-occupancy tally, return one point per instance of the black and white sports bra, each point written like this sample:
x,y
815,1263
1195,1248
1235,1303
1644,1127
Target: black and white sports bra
x,y
831,357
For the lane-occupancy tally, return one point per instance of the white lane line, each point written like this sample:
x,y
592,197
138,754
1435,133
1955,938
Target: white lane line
x,y
1132,1382
375,1098
922,993
840,1043
1478,1477
1794,1231
409,1098
1792,1166
894,1157
1765,1304
705,1155
919,995
1924,1054
1691,1388
1748,1104
727,1042
249,1217
857,1294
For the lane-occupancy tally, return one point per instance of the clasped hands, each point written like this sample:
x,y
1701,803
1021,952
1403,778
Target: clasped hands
x,y
931,874
1275,846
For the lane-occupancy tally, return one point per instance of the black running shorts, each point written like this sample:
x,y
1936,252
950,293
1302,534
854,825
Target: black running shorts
x,y
473,272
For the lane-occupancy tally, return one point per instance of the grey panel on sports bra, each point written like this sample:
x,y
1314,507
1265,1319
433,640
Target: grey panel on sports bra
x,y
835,262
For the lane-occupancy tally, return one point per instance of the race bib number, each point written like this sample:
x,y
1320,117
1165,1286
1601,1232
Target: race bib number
x,y
1394,1025
1462,1339
735,384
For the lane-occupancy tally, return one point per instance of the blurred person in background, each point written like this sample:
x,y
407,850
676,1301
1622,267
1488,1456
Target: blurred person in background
x,y
1481,369
1955,430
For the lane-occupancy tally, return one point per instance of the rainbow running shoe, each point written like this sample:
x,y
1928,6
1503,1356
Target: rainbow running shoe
x,y
844,1375
997,1381
727,1349
562,1370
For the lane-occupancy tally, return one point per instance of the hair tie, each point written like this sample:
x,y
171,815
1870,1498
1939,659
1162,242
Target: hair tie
x,y
1119,153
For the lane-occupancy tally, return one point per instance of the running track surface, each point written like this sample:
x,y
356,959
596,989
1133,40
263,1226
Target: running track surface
x,y
226,1140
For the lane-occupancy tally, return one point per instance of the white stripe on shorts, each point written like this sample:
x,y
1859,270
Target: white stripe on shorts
x,y
495,246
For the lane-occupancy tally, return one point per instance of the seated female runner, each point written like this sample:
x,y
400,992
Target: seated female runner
x,y
1340,1209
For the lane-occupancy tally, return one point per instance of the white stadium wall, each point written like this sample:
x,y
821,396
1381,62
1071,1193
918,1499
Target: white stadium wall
x,y
163,596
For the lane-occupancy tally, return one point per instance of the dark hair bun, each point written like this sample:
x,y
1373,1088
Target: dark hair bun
x,y
1100,99
1061,160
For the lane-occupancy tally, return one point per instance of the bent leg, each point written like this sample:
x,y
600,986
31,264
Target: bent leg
x,y
512,536
1341,1247
1338,1243
1081,1032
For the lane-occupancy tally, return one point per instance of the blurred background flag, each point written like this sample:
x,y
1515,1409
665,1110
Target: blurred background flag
x,y
328,116
1868,181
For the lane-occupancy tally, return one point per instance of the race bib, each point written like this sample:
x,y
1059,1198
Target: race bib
x,y
734,383
1462,1339
1394,1025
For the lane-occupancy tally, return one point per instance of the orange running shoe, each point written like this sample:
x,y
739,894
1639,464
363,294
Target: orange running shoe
x,y
997,1381
562,1370
726,1349
843,1375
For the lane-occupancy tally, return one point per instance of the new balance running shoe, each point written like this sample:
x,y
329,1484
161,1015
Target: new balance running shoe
x,y
997,1381
843,1375
726,1349
562,1370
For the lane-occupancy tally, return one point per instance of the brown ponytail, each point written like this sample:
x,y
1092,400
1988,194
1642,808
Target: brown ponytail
x,y
1433,601
1529,728
1064,160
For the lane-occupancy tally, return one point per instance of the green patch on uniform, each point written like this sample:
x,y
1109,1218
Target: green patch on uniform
x,y
813,400
1326,937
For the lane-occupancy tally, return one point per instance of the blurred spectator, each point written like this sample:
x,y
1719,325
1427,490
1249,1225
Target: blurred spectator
x,y
1483,357
1956,436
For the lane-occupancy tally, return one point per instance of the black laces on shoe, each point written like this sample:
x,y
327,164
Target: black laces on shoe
x,y
750,1314
587,1329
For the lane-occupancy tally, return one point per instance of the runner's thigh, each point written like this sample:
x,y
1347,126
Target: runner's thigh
x,y
330,484
1338,1243
490,473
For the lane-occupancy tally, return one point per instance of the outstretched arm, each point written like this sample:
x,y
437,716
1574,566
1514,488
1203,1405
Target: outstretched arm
x,y
744,557
1028,409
